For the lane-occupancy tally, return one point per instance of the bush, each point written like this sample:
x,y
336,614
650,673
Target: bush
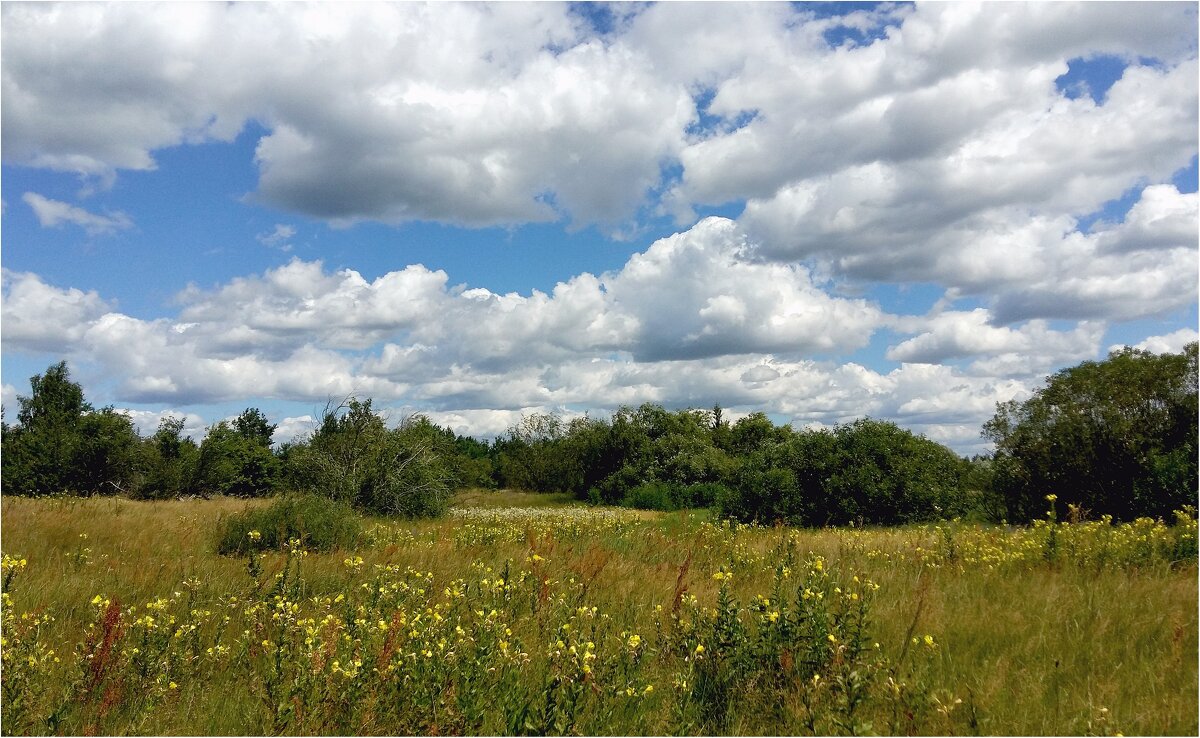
x,y
320,523
666,496
355,458
650,496
704,494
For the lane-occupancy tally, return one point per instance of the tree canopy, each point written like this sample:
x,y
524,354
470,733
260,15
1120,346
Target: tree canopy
x,y
1114,437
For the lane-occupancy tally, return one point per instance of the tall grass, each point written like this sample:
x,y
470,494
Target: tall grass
x,y
1098,638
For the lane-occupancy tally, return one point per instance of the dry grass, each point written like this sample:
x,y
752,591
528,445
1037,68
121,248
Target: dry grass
x,y
1043,649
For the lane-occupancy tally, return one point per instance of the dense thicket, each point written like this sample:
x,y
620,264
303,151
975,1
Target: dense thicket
x,y
869,471
1115,437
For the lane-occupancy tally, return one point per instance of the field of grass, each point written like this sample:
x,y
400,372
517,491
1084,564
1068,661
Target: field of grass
x,y
119,618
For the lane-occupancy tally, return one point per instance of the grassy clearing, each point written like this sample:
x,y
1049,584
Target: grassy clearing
x,y
1096,633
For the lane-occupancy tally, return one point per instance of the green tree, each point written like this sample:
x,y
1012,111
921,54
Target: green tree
x,y
38,450
885,474
532,455
61,445
252,425
1114,437
105,458
171,460
236,459
355,458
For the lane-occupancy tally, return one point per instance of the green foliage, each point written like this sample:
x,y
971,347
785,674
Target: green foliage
x,y
531,455
667,496
106,454
886,475
321,524
1116,437
237,463
171,460
60,444
650,496
865,472
354,458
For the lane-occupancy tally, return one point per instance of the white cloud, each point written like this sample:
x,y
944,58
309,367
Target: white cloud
x,y
146,422
1171,343
1028,350
279,238
38,316
687,296
457,113
507,113
1162,219
294,428
8,398
931,146
481,391
53,213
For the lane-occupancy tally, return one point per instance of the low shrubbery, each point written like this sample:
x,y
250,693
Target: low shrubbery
x,y
666,496
319,523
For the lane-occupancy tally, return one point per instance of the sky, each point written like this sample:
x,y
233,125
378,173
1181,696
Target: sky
x,y
819,211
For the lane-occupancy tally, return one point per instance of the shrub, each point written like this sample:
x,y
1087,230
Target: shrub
x,y
355,458
320,523
704,494
651,496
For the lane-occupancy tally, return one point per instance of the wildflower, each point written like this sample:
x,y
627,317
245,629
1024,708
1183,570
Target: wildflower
x,y
699,649
254,535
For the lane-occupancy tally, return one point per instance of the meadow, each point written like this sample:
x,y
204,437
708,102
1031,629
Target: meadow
x,y
526,614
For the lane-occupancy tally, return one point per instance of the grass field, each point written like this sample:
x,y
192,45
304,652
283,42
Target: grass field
x,y
119,618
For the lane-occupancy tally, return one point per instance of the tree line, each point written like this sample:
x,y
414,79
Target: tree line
x,y
1115,437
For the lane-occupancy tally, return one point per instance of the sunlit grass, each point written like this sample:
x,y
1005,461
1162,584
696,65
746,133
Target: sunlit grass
x,y
1095,632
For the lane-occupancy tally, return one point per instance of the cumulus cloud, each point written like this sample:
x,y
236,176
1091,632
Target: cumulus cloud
x,y
8,398
1026,350
53,214
690,295
156,363
294,428
1162,219
300,331
469,114
40,317
1171,343
147,421
897,144
509,113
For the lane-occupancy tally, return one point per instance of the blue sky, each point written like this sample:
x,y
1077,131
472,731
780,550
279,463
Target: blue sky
x,y
821,211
